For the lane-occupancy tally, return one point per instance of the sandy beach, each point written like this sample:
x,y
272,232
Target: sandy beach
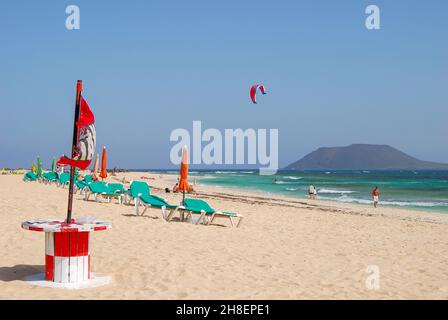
x,y
285,248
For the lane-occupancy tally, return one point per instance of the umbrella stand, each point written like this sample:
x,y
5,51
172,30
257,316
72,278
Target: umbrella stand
x,y
183,183
67,253
183,204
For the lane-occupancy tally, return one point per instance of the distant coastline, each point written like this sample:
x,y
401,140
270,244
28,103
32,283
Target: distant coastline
x,y
362,157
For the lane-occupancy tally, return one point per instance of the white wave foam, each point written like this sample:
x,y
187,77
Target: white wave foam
x,y
224,172
291,189
345,198
208,177
280,182
335,191
292,178
416,203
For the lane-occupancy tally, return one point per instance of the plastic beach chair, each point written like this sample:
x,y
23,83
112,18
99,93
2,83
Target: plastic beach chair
x,y
80,185
64,179
49,177
206,212
98,189
30,176
140,192
116,187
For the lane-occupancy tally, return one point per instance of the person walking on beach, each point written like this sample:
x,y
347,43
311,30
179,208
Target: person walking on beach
x,y
312,192
376,196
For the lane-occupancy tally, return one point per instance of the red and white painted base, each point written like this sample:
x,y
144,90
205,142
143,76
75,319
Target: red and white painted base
x,y
94,281
67,252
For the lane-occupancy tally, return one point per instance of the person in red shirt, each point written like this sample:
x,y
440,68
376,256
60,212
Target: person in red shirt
x,y
376,196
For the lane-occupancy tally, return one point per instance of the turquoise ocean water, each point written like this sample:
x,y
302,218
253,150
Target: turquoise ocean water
x,y
423,190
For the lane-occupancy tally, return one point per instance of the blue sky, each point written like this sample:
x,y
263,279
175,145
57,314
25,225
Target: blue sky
x,y
150,67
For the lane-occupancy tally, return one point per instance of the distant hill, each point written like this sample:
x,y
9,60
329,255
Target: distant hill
x,y
361,156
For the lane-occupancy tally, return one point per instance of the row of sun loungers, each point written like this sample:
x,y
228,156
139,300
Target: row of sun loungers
x,y
49,177
193,210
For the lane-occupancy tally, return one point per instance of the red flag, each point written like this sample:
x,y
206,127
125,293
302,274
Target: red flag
x,y
86,116
85,146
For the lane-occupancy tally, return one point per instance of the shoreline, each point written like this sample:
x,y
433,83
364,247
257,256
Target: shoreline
x,y
329,200
326,202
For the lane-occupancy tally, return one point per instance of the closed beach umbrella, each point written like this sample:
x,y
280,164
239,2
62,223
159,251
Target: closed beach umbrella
x,y
183,183
39,167
33,168
103,173
95,167
53,165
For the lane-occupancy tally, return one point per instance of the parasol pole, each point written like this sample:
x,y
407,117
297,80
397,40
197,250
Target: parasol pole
x,y
74,143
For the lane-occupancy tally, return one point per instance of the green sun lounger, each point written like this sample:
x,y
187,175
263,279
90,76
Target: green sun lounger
x,y
98,188
30,176
64,179
116,187
140,192
206,212
49,177
81,184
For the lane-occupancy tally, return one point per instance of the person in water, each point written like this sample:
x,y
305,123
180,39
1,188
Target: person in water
x,y
312,192
376,196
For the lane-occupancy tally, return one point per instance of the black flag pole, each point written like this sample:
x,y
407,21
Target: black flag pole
x,y
74,143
